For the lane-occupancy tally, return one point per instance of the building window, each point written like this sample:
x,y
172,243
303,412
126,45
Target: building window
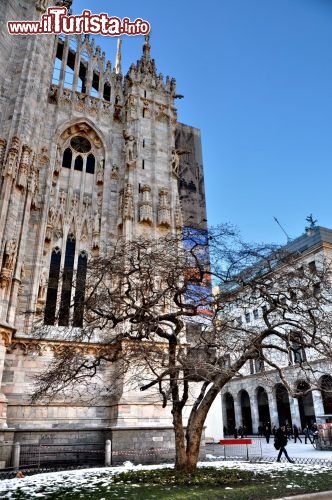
x,y
78,165
80,289
259,365
316,290
247,317
107,92
67,157
255,313
312,267
80,150
264,309
298,354
90,164
52,289
80,144
67,282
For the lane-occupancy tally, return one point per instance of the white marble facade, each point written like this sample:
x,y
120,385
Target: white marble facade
x,y
86,155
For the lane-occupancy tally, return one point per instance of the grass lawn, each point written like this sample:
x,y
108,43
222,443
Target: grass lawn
x,y
208,483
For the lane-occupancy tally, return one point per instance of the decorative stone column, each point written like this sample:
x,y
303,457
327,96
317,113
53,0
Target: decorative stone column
x,y
273,408
254,412
6,333
295,412
318,403
237,412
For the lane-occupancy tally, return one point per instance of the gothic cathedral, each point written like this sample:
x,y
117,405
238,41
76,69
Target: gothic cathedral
x,y
87,154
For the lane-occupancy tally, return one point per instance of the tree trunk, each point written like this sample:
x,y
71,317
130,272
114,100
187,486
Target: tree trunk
x,y
190,453
180,449
187,445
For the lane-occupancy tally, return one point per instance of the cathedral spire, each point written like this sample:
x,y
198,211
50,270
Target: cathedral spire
x,y
118,57
146,47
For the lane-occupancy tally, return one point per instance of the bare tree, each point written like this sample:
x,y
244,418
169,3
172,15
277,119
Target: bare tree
x,y
150,303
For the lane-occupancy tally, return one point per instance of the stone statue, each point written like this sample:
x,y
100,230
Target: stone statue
x,y
128,203
10,253
100,172
74,201
130,147
96,223
42,5
175,162
42,284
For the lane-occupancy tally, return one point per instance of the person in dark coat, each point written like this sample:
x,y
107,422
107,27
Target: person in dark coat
x,y
307,434
296,433
280,443
267,432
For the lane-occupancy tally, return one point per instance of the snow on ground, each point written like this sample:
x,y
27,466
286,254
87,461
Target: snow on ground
x,y
41,485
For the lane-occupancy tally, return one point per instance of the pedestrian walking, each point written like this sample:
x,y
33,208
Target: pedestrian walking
x,y
267,432
296,433
307,434
280,443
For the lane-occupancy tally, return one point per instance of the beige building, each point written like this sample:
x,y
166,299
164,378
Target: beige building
x,y
87,154
258,396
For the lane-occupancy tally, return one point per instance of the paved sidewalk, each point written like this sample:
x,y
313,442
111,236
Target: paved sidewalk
x,y
296,450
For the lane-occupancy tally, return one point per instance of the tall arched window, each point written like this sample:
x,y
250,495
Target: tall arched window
x,y
80,289
67,157
80,153
107,92
53,285
90,164
67,282
78,163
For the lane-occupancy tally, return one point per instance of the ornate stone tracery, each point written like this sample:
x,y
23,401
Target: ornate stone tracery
x,y
145,209
164,208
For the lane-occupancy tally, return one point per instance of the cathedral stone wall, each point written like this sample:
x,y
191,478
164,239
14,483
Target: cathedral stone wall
x,y
87,155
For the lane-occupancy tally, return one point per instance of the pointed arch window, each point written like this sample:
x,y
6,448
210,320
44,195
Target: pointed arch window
x,y
107,92
78,165
52,289
67,281
90,164
80,289
67,157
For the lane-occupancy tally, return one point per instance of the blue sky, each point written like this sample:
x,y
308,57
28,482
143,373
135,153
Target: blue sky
x,y
256,76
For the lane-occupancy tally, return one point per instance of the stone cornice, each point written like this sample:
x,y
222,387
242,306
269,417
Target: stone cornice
x,y
6,334
28,345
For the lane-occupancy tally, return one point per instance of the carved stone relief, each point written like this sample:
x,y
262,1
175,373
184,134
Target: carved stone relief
x,y
100,173
43,285
164,209
128,203
130,148
145,209
8,262
12,157
42,5
10,254
2,153
22,177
